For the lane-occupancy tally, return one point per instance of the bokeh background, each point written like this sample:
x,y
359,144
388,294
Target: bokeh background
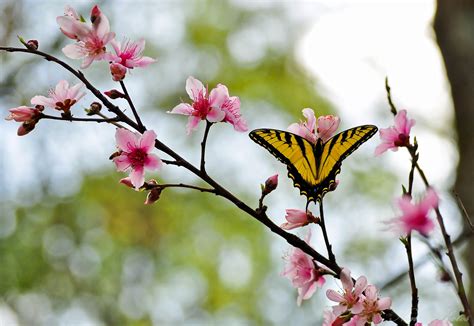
x,y
77,248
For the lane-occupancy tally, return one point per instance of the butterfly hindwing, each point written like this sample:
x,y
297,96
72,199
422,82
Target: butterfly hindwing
x,y
312,167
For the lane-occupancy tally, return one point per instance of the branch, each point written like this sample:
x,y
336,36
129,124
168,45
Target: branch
x,y
130,102
203,146
51,117
183,185
325,235
79,75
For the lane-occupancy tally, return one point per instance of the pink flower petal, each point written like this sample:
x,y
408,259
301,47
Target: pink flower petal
x,y
147,140
430,201
193,123
74,51
122,162
346,280
218,96
384,303
194,88
125,139
137,177
43,100
334,296
382,148
182,108
153,162
310,118
215,115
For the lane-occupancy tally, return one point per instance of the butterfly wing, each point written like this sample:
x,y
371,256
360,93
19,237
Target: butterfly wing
x,y
335,150
294,151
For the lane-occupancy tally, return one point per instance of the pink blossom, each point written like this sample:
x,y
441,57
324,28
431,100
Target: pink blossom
x,y
28,116
313,129
415,216
23,114
231,107
61,98
129,54
91,40
372,306
397,135
203,107
134,154
303,274
118,71
350,298
297,218
331,319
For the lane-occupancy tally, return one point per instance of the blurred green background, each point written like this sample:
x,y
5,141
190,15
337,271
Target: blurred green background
x,y
77,248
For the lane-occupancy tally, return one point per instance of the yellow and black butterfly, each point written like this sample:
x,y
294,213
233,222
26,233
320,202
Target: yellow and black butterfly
x,y
312,167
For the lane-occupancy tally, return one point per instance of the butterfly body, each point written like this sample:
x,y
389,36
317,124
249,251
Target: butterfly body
x,y
312,166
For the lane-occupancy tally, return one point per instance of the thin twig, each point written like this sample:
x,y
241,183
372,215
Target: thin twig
x,y
464,210
414,289
408,247
51,117
325,235
183,185
118,125
132,106
423,260
393,109
203,146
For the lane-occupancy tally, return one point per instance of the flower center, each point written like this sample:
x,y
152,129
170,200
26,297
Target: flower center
x,y
65,105
201,107
137,157
403,140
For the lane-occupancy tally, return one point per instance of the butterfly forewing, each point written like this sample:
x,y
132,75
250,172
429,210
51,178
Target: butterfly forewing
x,y
336,149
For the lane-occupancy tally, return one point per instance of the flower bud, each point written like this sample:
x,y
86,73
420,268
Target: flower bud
x,y
270,184
32,44
26,127
153,196
118,71
127,182
114,94
94,108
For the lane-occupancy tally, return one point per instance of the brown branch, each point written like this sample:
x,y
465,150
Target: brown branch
x,y
51,117
132,106
258,215
79,75
203,146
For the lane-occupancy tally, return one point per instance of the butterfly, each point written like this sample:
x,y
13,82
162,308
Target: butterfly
x,y
312,167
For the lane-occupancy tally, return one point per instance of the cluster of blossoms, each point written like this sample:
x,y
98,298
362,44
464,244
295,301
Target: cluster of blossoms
x,y
91,41
358,304
61,98
218,106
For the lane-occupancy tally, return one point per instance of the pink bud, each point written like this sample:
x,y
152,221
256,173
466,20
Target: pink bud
x,y
118,71
95,13
297,218
114,94
327,126
22,114
25,128
270,184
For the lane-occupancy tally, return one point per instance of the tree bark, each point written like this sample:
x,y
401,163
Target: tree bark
x,y
454,28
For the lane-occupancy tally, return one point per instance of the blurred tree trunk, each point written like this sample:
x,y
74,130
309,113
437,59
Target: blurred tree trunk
x,y
454,27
